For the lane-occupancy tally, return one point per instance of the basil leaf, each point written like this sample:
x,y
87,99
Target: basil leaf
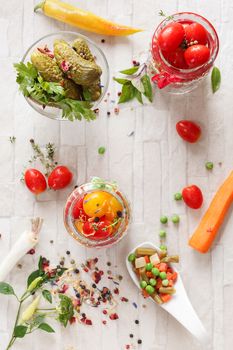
x,y
47,295
37,320
46,327
127,93
40,264
20,331
121,81
215,79
138,96
33,276
130,71
147,86
6,289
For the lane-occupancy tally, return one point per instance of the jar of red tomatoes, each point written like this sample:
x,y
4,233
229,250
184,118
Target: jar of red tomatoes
x,y
184,48
97,214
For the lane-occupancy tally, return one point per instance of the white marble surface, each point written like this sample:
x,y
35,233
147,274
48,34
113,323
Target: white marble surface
x,y
150,167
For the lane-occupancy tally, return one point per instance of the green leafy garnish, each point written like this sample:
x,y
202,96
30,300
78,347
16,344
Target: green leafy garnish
x,y
136,85
46,327
47,295
215,79
65,309
6,289
162,14
20,331
32,85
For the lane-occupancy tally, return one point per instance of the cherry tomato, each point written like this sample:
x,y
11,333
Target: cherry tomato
x,y
96,203
192,196
195,32
176,58
97,231
114,209
188,131
196,55
35,181
60,177
170,37
78,211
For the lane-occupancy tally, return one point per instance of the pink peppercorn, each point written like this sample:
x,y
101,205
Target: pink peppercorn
x,y
31,251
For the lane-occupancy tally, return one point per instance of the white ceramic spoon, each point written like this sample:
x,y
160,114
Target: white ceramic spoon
x,y
179,306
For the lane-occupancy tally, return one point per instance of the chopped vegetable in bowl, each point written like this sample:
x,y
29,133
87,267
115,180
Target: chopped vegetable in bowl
x,y
153,269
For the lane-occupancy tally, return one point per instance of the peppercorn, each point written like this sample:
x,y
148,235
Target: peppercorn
x,y
68,252
83,315
96,219
119,214
108,113
51,241
76,271
136,321
139,341
102,40
93,285
108,263
131,335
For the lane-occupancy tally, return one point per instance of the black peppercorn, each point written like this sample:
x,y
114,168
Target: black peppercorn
x,y
136,321
139,341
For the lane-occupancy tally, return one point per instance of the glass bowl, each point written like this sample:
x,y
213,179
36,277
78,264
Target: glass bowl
x,y
53,112
189,78
79,193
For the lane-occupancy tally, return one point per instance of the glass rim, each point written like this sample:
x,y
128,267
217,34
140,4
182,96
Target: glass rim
x,y
105,88
191,70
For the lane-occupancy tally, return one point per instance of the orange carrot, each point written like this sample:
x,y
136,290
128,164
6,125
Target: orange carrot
x,y
163,267
145,294
149,274
165,297
147,259
207,230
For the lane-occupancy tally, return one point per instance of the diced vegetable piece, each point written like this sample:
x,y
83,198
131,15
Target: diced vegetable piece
x,y
167,290
157,299
142,275
131,257
162,267
207,230
149,289
145,294
178,196
143,284
145,251
165,297
149,267
140,262
147,259
155,271
149,274
165,283
163,275
153,282
171,259
154,259
163,247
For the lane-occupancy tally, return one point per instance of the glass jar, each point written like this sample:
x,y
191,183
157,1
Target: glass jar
x,y
120,224
182,80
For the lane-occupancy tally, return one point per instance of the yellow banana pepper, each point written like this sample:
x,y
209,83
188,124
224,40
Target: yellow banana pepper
x,y
30,310
83,19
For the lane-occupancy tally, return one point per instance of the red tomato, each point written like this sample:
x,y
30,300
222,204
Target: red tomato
x,y
170,37
192,196
196,55
176,58
188,131
59,178
97,231
78,212
35,181
195,31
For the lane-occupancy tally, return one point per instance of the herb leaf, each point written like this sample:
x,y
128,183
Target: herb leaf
x,y
6,289
129,71
138,96
147,86
20,331
47,295
46,327
121,81
65,309
215,79
127,93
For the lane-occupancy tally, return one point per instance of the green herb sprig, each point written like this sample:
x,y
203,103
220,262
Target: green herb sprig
x,y
32,318
32,85
135,84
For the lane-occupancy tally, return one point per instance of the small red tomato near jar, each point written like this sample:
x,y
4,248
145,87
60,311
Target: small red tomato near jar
x,y
35,181
171,36
59,178
188,130
196,55
192,196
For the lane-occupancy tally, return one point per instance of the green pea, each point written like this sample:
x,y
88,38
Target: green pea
x,y
143,284
163,275
131,257
155,271
178,196
162,234
165,283
150,289
209,165
163,247
163,219
149,267
101,150
175,219
153,282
